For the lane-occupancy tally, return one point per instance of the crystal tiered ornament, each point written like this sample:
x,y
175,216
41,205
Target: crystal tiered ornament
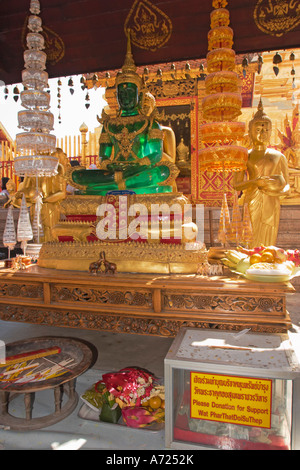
x,y
24,229
36,144
9,234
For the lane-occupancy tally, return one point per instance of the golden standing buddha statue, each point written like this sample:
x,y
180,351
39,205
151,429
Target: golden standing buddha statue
x,y
268,181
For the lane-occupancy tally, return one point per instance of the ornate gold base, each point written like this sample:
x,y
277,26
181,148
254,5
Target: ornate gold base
x,y
129,257
149,256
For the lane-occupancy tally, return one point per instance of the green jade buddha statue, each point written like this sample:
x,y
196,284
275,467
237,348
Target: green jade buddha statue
x,y
131,145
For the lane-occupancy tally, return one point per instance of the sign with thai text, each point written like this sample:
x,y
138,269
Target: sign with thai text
x,y
231,399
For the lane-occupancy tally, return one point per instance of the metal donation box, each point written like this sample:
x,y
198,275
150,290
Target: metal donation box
x,y
229,390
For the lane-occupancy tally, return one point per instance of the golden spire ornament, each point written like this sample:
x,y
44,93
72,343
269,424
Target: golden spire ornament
x,y
128,73
222,104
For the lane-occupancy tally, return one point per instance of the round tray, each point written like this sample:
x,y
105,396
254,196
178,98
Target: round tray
x,y
268,277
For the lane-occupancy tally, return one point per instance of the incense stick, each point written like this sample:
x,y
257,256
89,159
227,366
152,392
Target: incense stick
x,y
30,355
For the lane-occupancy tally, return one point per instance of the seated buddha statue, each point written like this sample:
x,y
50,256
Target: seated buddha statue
x,y
268,181
131,145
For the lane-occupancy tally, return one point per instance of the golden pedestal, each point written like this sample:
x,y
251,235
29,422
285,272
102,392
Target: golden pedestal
x,y
165,250
130,257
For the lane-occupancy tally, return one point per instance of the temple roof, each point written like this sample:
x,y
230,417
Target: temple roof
x,y
87,36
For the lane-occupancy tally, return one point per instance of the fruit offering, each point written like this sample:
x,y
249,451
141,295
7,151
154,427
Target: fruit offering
x,y
294,255
265,254
270,264
132,393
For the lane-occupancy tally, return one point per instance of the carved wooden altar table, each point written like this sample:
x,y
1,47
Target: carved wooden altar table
x,y
144,304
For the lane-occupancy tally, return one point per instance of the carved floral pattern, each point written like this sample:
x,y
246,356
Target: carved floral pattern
x,y
228,303
21,290
101,296
119,323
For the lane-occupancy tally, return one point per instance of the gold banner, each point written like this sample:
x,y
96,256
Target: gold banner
x,y
150,28
276,17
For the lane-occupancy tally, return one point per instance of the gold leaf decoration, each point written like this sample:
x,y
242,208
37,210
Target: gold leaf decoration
x,y
54,46
150,28
277,17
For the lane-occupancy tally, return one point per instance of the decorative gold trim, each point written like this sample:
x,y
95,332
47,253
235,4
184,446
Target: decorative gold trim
x,y
104,138
174,172
129,257
104,163
156,134
68,177
125,138
87,205
145,161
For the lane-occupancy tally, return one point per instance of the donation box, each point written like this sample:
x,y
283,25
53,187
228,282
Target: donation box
x,y
232,390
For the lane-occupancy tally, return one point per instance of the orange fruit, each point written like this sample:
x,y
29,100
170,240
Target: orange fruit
x,y
255,258
271,249
267,257
155,402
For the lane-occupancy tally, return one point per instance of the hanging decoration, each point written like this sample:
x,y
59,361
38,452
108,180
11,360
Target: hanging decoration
x,y
83,84
87,99
16,93
245,64
71,85
260,62
293,74
59,99
9,234
277,59
36,144
24,229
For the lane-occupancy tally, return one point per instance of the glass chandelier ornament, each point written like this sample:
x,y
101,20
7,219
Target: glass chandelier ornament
x,y
36,144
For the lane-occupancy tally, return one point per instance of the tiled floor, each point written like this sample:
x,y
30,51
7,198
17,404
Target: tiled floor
x,y
115,351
